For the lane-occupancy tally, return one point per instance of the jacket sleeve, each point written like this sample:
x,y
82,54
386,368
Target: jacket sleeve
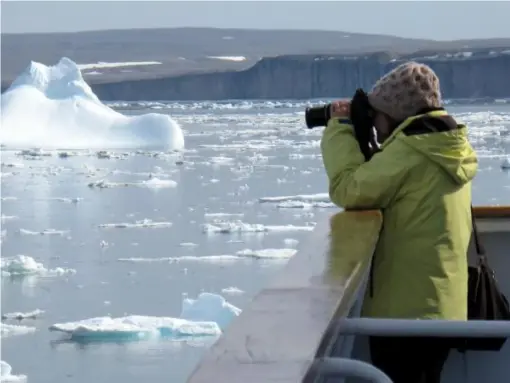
x,y
354,183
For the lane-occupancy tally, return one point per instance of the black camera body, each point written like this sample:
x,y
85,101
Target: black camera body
x,y
362,117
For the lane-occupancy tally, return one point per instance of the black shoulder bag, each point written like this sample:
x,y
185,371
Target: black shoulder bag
x,y
485,299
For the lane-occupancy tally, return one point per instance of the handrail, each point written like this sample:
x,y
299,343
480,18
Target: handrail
x,y
483,212
343,367
428,327
286,325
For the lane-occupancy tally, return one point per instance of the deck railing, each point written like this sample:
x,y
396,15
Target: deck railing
x,y
288,332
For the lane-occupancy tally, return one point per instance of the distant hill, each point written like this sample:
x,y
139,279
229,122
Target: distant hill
x,y
186,50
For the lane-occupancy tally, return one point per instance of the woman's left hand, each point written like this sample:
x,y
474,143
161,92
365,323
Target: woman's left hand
x,y
340,109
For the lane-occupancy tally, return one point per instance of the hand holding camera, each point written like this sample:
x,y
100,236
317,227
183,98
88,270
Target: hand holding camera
x,y
358,110
340,109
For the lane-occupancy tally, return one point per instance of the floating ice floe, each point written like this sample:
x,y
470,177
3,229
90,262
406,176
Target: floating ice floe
x,y
43,232
20,316
152,183
226,227
6,375
8,330
263,254
53,107
232,291
320,200
202,317
22,265
137,224
4,218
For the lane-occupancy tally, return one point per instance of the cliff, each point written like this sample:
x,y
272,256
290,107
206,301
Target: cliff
x,y
213,63
482,74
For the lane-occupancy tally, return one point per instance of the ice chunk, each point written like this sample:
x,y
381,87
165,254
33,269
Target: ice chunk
x,y
20,316
228,58
268,253
211,307
22,265
142,223
7,330
232,290
204,317
263,254
226,227
6,374
53,107
505,164
304,201
319,197
152,183
136,327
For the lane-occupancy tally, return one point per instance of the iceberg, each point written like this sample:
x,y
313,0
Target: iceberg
x,y
52,107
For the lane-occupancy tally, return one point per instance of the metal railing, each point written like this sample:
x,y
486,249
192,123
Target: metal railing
x,y
344,367
428,327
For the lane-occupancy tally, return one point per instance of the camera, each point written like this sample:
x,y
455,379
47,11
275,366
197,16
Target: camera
x,y
361,114
317,116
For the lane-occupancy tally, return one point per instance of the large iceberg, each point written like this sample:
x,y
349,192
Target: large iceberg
x,y
53,107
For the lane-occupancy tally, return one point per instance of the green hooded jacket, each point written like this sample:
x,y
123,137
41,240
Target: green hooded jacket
x,y
422,183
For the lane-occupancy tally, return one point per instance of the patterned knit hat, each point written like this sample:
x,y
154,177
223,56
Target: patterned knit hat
x,y
406,90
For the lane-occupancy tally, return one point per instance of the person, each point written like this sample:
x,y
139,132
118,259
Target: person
x,y
421,180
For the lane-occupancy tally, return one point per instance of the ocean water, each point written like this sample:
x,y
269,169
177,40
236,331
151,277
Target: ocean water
x,y
134,233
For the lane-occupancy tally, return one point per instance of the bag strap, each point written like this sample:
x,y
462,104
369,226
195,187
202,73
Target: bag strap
x,y
480,250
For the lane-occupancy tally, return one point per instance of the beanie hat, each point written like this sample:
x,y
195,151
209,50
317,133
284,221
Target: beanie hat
x,y
406,90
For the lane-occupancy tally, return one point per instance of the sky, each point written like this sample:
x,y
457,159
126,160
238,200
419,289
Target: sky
x,y
440,20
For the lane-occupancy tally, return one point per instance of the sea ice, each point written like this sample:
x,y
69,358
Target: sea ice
x,y
20,316
304,201
8,330
209,307
263,254
205,316
53,107
6,374
22,265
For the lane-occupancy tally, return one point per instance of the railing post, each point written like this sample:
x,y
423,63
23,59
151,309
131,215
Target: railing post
x,y
342,367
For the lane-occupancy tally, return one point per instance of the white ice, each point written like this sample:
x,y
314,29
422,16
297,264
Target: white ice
x,y
209,307
304,201
20,316
263,254
6,375
232,290
207,315
151,183
138,224
53,107
101,64
8,330
228,58
22,265
226,227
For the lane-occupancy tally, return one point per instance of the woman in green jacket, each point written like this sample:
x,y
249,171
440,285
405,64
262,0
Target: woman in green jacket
x,y
421,180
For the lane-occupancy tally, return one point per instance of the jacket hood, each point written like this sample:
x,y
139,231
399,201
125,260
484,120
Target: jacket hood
x,y
446,145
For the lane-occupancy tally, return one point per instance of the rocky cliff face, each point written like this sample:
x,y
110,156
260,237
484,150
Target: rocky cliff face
x,y
462,75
